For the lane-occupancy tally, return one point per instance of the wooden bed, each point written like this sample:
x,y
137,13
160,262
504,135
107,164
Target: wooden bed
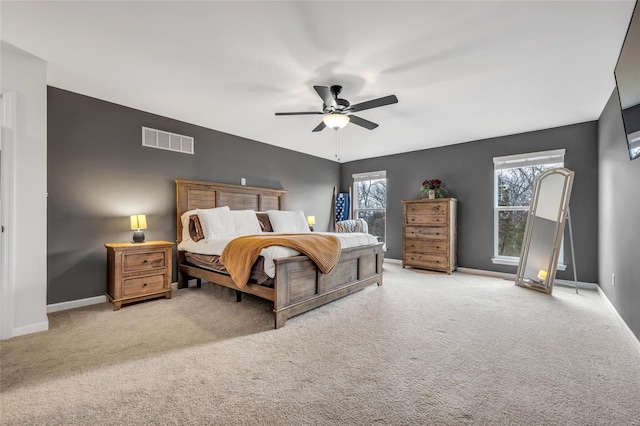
x,y
298,284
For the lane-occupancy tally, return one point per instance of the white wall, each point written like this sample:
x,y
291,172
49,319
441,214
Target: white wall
x,y
25,76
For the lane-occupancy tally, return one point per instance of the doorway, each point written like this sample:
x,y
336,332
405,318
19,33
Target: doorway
x,y
7,155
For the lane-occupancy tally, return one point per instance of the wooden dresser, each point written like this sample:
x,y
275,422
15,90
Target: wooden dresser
x,y
138,271
429,234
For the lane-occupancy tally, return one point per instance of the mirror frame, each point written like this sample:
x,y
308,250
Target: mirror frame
x,y
628,83
545,285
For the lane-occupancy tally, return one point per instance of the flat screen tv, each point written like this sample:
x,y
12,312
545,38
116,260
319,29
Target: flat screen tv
x,y
627,74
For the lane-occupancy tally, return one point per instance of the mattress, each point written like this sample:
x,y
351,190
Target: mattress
x,y
212,263
215,247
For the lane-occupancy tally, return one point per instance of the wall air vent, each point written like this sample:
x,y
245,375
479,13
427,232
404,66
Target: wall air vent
x,y
164,140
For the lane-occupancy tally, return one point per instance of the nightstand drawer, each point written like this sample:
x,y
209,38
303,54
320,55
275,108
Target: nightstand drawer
x,y
142,285
132,262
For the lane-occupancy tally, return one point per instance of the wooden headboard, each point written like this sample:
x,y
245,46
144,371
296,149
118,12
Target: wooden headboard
x,y
192,194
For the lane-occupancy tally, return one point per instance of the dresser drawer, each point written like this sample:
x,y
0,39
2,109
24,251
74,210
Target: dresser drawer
x,y
132,262
428,209
142,285
427,247
430,220
426,261
424,233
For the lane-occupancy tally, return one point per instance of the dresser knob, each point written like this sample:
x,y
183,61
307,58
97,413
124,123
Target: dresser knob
x,y
145,261
144,285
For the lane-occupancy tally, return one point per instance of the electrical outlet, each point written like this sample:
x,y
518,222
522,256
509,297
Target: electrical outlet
x,y
243,181
613,280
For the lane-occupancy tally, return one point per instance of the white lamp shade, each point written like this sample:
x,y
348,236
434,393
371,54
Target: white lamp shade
x,y
311,220
336,121
138,221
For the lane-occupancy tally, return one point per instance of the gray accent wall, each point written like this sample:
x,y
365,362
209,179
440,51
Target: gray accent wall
x,y
467,171
619,217
99,173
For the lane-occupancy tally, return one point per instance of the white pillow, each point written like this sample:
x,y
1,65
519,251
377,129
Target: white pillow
x,y
216,223
246,222
288,221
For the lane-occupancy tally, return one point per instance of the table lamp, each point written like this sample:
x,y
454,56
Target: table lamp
x,y
311,220
542,275
138,222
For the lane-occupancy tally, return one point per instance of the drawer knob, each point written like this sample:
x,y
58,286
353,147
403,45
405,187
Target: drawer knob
x,y
144,285
145,261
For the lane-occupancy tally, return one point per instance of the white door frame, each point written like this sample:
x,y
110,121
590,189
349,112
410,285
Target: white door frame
x,y
7,216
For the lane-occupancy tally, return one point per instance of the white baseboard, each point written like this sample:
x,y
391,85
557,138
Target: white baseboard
x,y
634,338
72,304
581,284
398,261
482,272
508,276
28,329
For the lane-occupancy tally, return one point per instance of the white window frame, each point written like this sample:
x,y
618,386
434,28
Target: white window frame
x,y
512,161
360,177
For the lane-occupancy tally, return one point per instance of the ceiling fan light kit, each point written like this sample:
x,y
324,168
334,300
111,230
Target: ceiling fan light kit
x,y
338,112
336,121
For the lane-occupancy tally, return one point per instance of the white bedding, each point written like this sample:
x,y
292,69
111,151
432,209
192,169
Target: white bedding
x,y
215,247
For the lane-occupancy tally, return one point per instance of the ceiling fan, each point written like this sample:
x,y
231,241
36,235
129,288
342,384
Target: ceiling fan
x,y
337,112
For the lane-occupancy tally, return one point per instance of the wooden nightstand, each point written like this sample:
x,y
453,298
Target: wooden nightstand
x,y
138,271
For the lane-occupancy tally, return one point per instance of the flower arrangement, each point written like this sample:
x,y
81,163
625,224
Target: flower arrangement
x,y
433,188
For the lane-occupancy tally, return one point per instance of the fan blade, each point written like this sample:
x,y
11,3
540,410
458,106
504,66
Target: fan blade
x,y
362,122
374,103
326,96
299,113
319,127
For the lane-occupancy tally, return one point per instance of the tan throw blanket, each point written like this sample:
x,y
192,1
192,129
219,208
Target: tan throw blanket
x,y
242,252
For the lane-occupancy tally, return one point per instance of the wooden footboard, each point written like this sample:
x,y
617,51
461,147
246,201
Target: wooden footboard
x,y
299,285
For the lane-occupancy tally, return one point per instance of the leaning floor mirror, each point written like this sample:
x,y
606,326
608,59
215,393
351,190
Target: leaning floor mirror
x,y
543,232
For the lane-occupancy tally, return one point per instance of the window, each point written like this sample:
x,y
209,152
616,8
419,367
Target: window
x,y
513,183
370,201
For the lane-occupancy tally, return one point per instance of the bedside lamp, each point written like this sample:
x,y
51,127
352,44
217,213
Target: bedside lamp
x,y
138,222
311,220
542,275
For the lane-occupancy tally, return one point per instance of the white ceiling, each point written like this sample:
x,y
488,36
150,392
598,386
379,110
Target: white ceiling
x,y
462,71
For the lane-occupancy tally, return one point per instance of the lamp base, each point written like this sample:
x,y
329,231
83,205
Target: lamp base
x,y
138,236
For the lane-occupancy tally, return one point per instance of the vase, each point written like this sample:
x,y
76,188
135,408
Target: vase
x,y
432,194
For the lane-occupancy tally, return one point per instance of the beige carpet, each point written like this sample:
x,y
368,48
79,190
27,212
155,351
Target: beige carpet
x,y
423,349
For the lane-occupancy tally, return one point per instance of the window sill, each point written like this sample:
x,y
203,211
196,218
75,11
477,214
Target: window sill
x,y
514,261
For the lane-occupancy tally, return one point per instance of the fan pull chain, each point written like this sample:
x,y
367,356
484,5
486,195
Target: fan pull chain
x,y
337,146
